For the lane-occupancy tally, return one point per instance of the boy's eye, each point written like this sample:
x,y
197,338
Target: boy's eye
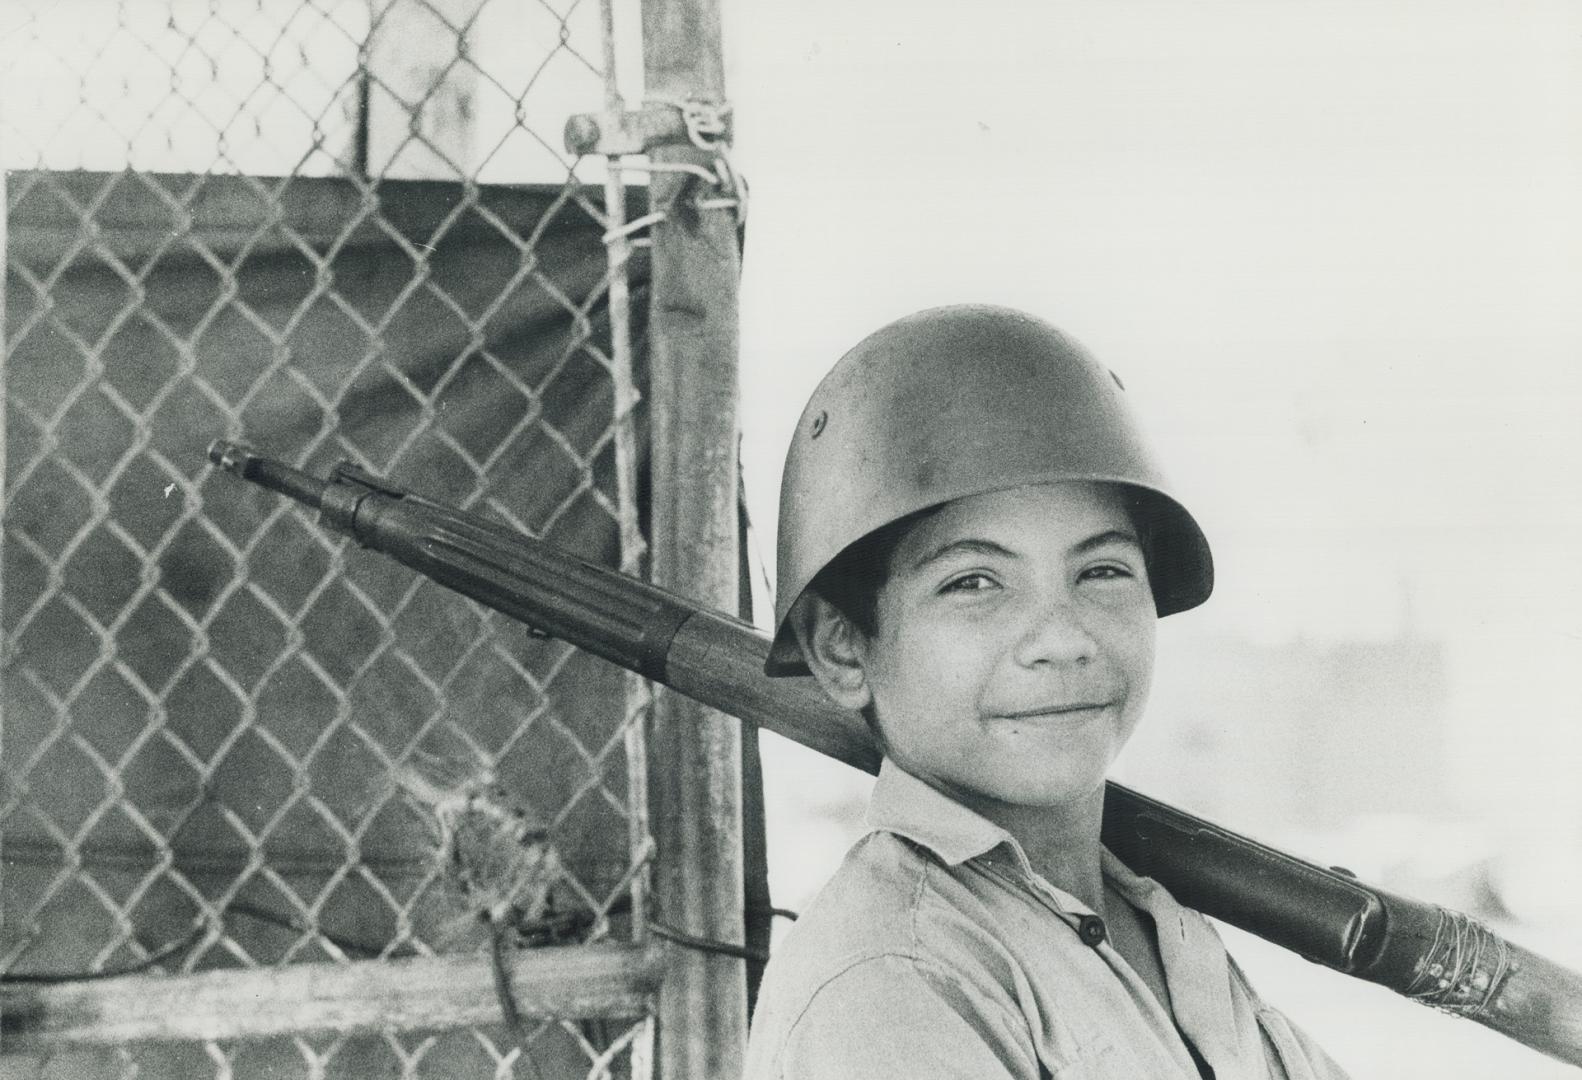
x,y
1105,572
969,583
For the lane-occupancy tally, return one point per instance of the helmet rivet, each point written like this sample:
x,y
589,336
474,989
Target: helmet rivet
x,y
818,424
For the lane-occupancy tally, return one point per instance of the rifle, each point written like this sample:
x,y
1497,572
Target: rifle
x,y
1433,955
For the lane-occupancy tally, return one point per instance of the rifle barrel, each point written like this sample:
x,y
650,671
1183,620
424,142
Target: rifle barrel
x,y
238,460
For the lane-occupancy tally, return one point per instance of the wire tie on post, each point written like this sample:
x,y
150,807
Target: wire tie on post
x,y
731,181
723,175
635,225
707,122
674,167
703,944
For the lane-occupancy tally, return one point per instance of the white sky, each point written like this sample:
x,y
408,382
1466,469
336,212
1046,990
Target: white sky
x,y
1334,249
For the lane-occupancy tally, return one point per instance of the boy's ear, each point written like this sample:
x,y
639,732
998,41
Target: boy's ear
x,y
832,647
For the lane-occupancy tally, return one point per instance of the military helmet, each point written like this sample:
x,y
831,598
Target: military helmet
x,y
958,401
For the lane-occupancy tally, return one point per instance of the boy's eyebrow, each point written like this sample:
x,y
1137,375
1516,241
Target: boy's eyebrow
x,y
976,546
1108,536
967,545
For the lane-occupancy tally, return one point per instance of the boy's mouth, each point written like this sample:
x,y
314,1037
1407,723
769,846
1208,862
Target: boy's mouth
x,y
1072,711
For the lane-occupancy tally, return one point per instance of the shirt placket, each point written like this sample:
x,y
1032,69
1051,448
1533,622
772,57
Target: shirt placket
x,y
1167,1039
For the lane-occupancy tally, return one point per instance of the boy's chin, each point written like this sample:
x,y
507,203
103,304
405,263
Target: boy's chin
x,y
1053,792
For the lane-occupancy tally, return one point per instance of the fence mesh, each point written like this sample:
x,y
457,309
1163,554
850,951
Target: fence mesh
x,y
333,229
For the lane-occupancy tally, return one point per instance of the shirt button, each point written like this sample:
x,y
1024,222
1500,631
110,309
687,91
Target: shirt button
x,y
1090,928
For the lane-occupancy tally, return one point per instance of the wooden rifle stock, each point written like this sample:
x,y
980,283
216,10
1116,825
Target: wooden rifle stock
x,y
1431,954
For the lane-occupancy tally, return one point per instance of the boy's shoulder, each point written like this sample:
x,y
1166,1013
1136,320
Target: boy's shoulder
x,y
891,898
868,907
907,890
897,932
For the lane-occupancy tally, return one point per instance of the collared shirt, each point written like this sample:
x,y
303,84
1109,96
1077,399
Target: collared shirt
x,y
936,951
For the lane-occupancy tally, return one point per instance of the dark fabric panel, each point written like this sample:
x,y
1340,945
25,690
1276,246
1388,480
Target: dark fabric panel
x,y
210,652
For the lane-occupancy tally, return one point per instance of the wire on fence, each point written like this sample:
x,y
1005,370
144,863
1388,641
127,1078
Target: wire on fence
x,y
335,229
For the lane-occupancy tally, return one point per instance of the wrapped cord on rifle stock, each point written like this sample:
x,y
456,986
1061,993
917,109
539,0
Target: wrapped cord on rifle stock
x,y
1438,957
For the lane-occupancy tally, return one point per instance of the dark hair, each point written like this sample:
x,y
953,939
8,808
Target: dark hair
x,y
851,581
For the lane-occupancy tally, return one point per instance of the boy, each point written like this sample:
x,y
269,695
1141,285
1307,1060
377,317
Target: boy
x,y
974,547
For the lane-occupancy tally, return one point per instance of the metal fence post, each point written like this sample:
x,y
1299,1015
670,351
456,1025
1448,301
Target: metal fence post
x,y
695,752
3,352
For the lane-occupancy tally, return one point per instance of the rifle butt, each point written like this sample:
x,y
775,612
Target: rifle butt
x,y
1539,1005
1430,954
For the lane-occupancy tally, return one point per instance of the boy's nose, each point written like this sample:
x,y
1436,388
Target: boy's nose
x,y
1056,636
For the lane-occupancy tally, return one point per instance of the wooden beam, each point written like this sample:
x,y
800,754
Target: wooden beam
x,y
426,993
694,752
5,356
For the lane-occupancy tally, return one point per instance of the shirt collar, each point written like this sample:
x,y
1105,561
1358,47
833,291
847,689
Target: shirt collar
x,y
904,805
1193,957
908,807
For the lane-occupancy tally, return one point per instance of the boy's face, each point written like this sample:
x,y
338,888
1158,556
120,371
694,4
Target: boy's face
x,y
1015,645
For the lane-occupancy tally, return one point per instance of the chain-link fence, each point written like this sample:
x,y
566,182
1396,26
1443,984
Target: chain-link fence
x,y
333,229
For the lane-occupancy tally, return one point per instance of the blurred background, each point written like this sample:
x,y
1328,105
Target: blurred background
x,y
1334,249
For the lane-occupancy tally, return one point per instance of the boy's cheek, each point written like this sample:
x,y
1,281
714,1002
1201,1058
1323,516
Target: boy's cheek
x,y
909,649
